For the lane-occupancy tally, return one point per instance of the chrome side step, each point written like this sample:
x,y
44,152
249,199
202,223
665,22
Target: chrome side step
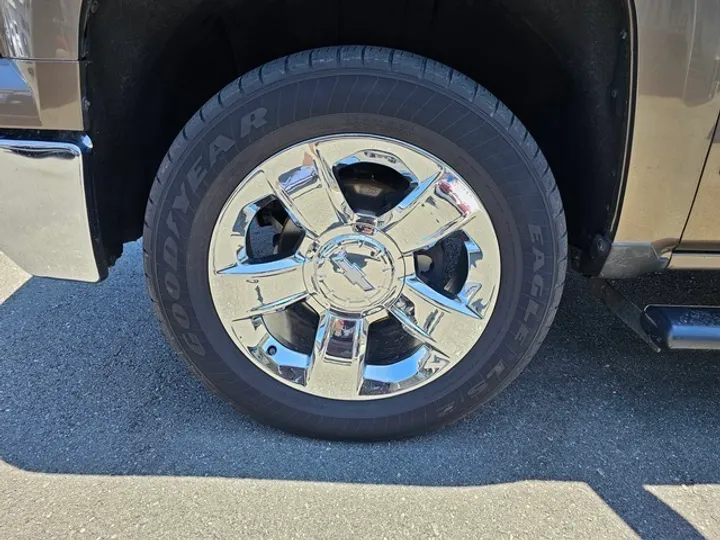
x,y
683,327
664,327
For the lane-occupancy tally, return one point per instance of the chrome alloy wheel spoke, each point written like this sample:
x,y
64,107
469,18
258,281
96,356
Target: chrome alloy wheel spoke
x,y
248,290
303,180
338,357
434,209
447,325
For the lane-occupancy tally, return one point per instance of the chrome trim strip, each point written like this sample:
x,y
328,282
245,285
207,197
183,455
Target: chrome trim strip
x,y
695,261
40,95
44,218
628,260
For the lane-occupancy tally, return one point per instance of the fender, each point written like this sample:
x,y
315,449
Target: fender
x,y
676,106
40,72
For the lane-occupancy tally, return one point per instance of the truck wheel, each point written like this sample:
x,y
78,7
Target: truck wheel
x,y
355,243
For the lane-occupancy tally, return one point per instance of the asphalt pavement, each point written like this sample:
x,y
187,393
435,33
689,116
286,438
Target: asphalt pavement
x,y
104,434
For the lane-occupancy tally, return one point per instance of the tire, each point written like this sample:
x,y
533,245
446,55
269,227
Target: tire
x,y
356,90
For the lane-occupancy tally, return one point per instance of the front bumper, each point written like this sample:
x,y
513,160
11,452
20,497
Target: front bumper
x,y
45,223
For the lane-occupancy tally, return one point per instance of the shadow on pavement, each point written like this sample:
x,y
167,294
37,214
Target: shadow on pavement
x,y
89,386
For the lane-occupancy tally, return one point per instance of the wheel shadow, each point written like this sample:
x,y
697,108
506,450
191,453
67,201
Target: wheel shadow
x,y
89,386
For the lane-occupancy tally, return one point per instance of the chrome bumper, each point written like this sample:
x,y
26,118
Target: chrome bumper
x,y
45,224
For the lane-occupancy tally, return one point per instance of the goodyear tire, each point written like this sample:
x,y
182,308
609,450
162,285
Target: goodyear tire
x,y
382,95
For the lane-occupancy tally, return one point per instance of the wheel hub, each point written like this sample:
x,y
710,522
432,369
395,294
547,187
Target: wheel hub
x,y
358,272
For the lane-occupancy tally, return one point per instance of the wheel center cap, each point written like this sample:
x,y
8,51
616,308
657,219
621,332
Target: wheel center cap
x,y
354,273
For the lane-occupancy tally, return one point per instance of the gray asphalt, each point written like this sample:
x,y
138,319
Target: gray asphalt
x,y
103,434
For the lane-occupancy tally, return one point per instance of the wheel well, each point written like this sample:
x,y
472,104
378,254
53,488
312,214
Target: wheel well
x,y
562,66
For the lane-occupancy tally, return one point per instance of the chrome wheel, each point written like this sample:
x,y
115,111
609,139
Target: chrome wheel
x,y
354,268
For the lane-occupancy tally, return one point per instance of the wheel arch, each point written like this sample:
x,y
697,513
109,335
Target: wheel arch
x,y
567,73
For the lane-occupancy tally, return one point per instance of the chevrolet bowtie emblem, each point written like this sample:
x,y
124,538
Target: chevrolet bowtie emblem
x,y
351,271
